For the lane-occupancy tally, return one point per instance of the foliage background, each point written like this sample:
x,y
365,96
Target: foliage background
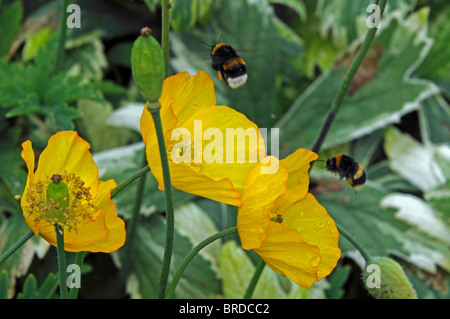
x,y
395,121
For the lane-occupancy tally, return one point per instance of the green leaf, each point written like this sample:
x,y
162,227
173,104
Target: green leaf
x,y
17,265
248,26
436,65
420,214
185,14
200,280
346,20
87,53
434,116
237,271
4,284
94,116
389,94
10,23
31,290
413,161
380,231
35,41
337,280
119,164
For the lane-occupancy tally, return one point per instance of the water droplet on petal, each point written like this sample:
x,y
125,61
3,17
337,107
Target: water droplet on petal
x,y
314,261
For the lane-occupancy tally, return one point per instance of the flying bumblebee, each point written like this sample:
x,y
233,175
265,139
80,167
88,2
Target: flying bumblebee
x,y
228,64
346,167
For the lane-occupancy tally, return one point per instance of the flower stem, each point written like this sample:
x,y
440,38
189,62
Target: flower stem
x,y
336,104
354,242
129,180
131,227
11,250
165,34
170,219
79,258
61,256
192,254
251,286
62,34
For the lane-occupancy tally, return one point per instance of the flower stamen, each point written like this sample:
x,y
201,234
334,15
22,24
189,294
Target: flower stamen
x,y
61,199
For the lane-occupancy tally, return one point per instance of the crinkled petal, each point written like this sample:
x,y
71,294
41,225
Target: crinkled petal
x,y
208,170
317,228
287,253
115,236
258,199
28,156
233,147
297,164
66,151
189,93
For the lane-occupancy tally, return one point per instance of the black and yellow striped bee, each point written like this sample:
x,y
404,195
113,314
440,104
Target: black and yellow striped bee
x,y
228,64
346,167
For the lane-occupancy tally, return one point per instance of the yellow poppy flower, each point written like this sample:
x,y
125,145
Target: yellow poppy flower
x,y
285,224
89,218
211,149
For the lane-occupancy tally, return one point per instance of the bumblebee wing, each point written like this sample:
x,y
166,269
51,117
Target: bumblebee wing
x,y
222,77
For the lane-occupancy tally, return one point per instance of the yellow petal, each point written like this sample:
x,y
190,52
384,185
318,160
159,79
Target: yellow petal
x,y
226,144
186,102
297,164
189,181
116,227
28,156
66,151
317,228
288,254
258,199
190,94
103,233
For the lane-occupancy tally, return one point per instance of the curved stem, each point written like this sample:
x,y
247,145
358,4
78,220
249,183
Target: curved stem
x,y
11,250
129,180
251,286
170,219
336,104
192,254
367,256
61,256
131,228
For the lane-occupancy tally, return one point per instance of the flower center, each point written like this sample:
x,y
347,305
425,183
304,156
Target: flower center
x,y
277,219
184,153
60,200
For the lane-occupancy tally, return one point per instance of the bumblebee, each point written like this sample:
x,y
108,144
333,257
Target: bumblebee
x,y
346,167
228,64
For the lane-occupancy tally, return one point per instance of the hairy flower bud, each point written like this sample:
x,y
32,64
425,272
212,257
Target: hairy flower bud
x,y
384,278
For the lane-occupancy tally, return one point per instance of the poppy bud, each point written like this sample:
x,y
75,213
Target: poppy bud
x,y
384,278
147,64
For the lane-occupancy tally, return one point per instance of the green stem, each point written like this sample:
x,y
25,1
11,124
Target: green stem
x,y
170,219
129,180
62,34
131,228
191,255
337,102
61,256
165,34
251,287
11,250
79,258
367,256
